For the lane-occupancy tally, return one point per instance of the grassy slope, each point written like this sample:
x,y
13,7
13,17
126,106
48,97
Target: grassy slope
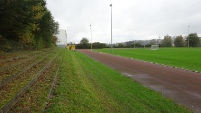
x,y
88,86
188,58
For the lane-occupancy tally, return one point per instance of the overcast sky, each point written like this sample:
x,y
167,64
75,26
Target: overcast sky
x,y
132,19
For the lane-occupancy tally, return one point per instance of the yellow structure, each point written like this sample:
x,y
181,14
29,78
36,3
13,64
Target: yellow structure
x,y
71,47
68,46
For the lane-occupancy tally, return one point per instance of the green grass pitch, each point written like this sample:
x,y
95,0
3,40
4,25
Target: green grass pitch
x,y
188,58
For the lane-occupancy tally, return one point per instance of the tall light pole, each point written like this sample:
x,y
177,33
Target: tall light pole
x,y
66,38
188,36
111,27
91,37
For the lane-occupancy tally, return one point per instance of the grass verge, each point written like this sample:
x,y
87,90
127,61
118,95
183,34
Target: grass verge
x,y
85,85
188,58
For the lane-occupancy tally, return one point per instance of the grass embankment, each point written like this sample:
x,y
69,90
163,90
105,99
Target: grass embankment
x,y
188,58
85,85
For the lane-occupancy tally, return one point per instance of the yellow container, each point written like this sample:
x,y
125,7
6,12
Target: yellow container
x,y
71,47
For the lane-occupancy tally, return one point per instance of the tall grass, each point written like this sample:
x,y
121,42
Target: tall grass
x,y
85,85
188,58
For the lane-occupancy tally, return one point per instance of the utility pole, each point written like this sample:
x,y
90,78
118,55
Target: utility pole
x,y
66,38
91,37
188,36
111,27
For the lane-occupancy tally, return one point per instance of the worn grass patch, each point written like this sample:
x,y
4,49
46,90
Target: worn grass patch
x,y
85,85
188,58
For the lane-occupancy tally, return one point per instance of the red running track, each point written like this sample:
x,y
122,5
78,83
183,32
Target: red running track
x,y
184,87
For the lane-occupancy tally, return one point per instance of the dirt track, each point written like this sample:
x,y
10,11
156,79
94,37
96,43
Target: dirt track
x,y
184,87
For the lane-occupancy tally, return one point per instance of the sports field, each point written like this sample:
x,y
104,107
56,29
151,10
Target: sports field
x,y
88,86
188,58
74,82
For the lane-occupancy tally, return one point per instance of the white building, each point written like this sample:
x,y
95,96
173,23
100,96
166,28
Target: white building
x,y
62,37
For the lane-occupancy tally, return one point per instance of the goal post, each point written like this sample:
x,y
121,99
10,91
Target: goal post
x,y
154,47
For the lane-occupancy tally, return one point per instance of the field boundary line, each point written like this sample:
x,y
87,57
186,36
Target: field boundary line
x,y
151,62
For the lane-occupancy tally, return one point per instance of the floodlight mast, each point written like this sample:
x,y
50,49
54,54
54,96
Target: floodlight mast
x,y
111,27
66,37
188,36
91,37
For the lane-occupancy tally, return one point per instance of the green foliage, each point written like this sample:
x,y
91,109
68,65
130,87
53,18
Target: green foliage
x,y
54,40
98,45
194,40
179,41
120,45
200,43
5,45
138,45
167,41
39,43
24,21
85,85
84,41
84,44
8,45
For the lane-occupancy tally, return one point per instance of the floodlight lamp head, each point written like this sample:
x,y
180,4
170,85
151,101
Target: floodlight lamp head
x,y
111,5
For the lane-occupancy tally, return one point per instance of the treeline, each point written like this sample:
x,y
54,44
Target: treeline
x,y
26,24
84,44
192,40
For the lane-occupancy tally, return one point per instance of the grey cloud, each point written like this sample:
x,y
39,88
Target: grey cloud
x,y
132,19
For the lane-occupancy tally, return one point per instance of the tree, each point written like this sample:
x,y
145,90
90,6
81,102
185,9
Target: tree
x,y
128,44
27,22
54,40
194,40
98,45
179,41
138,44
167,41
13,18
84,43
200,41
120,45
48,27
152,42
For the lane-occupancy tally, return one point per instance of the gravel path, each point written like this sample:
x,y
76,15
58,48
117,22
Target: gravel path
x,y
184,87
